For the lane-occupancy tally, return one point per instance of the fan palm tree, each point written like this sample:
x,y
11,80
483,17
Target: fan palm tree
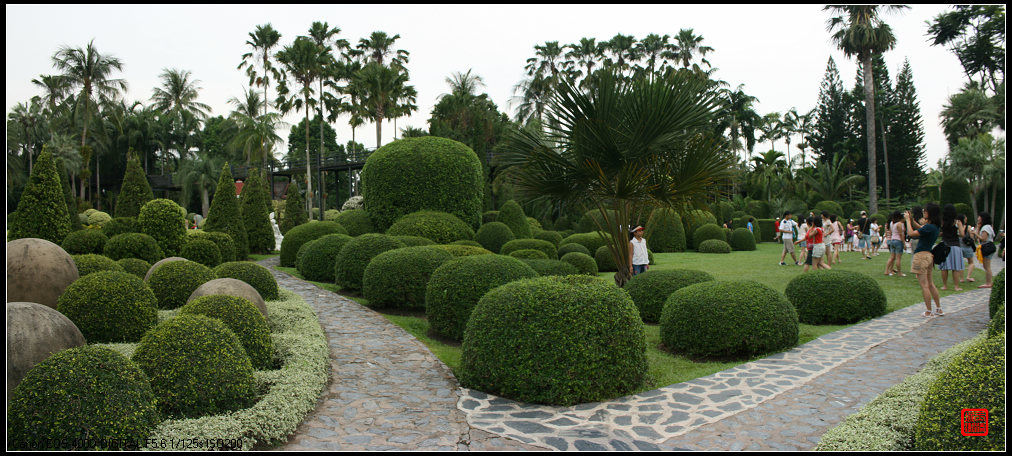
x,y
404,103
860,32
688,45
345,70
200,174
831,180
586,53
302,61
771,127
805,125
623,51
619,146
968,113
766,168
653,47
739,116
262,40
379,45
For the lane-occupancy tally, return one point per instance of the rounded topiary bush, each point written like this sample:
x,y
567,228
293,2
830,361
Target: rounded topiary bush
x,y
997,298
202,251
551,236
135,266
573,247
226,246
741,239
551,267
591,241
121,225
110,306
494,235
302,234
835,297
664,231
529,254
354,257
997,324
99,218
533,244
489,216
461,242
706,232
197,367
439,227
415,241
651,289
163,220
714,246
694,219
82,398
244,319
427,173
592,220
513,216
91,263
457,285
299,264
84,241
830,206
728,319
173,282
317,262
974,380
605,261
555,340
133,245
464,250
582,262
159,263
258,277
397,278
356,221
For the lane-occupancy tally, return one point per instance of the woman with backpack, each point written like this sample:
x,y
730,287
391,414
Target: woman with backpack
x,y
951,232
968,247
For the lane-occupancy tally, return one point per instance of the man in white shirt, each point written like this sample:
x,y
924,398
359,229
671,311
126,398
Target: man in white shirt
x,y
789,230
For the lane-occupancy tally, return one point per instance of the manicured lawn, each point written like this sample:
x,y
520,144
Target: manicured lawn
x,y
258,257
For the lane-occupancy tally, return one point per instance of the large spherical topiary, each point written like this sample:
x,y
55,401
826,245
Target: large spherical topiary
x,y
974,380
706,232
175,281
92,263
34,332
84,241
550,267
742,239
230,287
582,262
38,271
317,262
835,297
439,227
397,278
202,251
573,247
529,254
110,306
494,235
99,218
456,286
714,246
415,241
463,250
997,298
258,277
830,206
664,231
164,220
732,319
158,264
83,398
243,318
514,217
299,264
121,225
356,221
197,367
226,246
650,290
427,173
605,261
555,340
133,245
355,256
534,244
135,266
551,236
591,241
302,234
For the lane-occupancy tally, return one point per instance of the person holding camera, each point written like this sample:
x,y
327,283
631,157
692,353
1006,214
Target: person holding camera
x,y
985,236
926,232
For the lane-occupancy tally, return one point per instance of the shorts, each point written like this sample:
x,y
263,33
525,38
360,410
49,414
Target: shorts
x,y
968,253
922,263
804,244
639,268
788,245
818,250
808,258
895,246
865,241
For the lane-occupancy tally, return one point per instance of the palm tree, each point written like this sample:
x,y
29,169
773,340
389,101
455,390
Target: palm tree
x,y
968,113
201,173
767,167
325,38
378,46
789,125
653,47
464,83
688,45
177,97
805,125
302,61
739,116
262,40
771,127
831,180
860,32
345,70
623,51
380,87
404,103
256,134
587,53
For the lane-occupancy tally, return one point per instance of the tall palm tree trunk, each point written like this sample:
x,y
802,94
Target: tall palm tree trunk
x,y
885,158
98,187
869,110
204,203
309,181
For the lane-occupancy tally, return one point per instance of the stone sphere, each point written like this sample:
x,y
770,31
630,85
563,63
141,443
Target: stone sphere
x,y
34,332
159,263
38,271
230,287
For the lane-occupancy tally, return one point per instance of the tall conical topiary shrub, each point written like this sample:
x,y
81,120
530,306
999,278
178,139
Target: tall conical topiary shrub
x,y
255,207
513,216
75,221
295,211
225,216
135,190
42,211
664,231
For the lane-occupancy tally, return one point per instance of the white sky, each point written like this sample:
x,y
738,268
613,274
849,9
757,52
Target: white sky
x,y
778,51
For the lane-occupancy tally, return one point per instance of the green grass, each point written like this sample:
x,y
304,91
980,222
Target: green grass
x,y
259,257
760,265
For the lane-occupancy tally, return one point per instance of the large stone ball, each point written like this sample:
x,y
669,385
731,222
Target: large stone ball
x,y
230,287
159,263
38,271
34,332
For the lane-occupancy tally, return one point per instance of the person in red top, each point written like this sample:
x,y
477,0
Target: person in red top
x,y
817,248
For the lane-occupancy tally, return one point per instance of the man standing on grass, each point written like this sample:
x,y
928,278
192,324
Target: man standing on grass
x,y
789,230
864,231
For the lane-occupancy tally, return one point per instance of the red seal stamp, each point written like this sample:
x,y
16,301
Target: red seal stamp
x,y
973,422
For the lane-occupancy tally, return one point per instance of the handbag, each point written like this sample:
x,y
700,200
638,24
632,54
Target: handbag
x,y
987,248
940,252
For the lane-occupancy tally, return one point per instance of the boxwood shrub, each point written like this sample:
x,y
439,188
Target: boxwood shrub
x,y
354,257
397,278
91,263
99,218
84,241
706,232
768,229
494,235
605,261
529,254
714,246
694,219
976,379
728,319
551,267
133,245
573,247
650,290
302,234
244,319
121,225
175,281
163,220
741,239
551,236
202,251
135,266
197,367
317,261
226,246
79,397
301,254
110,306
664,231
535,244
582,262
513,216
462,242
828,205
835,297
997,298
592,221
415,241
258,277
439,227
489,216
463,250
555,340
356,221
591,241
457,285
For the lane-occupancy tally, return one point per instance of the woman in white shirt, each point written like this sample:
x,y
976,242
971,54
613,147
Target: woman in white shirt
x,y
639,259
985,233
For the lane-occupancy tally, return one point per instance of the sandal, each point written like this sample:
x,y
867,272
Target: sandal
x,y
971,279
938,311
927,313
984,286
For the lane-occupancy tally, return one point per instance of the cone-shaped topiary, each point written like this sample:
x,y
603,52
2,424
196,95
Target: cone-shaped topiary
x,y
356,221
258,277
494,235
664,231
110,306
164,220
439,227
173,282
135,192
255,204
513,216
835,297
356,254
225,216
649,290
295,211
244,319
397,278
84,241
42,210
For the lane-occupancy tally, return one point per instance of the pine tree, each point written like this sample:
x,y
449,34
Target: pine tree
x,y
255,209
831,116
295,213
75,221
42,211
906,138
225,216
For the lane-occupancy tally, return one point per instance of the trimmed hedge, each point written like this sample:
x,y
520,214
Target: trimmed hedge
x,y
555,340
302,234
513,216
417,241
225,216
650,289
78,398
456,286
202,251
91,263
592,220
197,367
175,281
728,319
582,262
494,235
354,257
768,229
706,232
163,220
244,319
397,278
573,247
258,277
760,209
534,244
997,298
226,246
835,297
714,246
133,245
664,231
356,221
42,210
605,261
121,225
997,324
551,236
463,250
694,219
135,190
489,216
84,241
317,263
551,267
135,266
426,173
110,306
529,254
742,239
439,227
831,206
295,211
460,242
591,241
